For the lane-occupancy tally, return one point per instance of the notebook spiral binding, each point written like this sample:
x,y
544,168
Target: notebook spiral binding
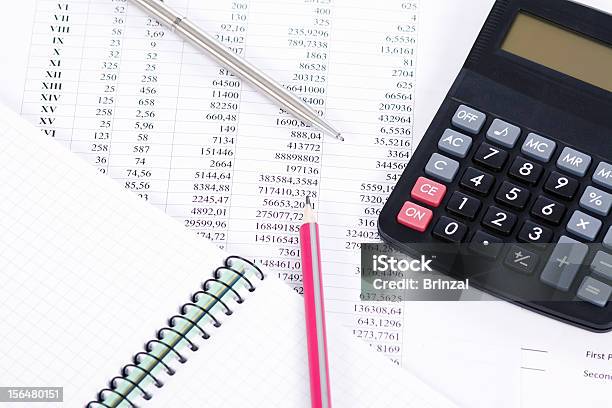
x,y
235,275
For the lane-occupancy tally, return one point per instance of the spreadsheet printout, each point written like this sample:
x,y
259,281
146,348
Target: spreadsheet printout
x,y
184,134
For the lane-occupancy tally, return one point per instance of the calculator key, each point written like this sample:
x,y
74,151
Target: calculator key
x,y
428,192
414,216
594,291
602,265
455,143
463,205
584,226
450,230
574,162
442,168
536,234
469,119
607,241
526,171
548,210
564,262
477,181
499,220
503,133
596,201
521,260
603,175
538,147
486,244
491,156
513,196
561,185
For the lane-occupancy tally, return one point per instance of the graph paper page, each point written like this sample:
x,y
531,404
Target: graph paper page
x,y
88,272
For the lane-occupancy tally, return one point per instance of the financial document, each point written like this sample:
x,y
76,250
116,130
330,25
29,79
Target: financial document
x,y
184,134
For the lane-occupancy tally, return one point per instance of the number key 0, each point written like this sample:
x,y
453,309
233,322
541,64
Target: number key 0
x,y
450,230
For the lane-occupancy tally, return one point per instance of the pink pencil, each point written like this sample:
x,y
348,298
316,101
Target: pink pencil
x,y
315,312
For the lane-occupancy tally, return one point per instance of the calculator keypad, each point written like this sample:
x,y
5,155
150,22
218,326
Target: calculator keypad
x,y
503,191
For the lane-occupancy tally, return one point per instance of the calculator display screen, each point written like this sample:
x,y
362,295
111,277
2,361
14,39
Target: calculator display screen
x,y
560,49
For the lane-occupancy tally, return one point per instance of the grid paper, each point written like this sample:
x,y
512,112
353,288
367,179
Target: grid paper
x,y
88,273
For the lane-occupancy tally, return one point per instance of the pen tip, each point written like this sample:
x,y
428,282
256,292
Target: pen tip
x,y
339,137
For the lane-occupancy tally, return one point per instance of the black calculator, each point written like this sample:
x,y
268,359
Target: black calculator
x,y
514,174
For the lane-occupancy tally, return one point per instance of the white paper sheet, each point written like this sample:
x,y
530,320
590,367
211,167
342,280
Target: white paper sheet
x,y
173,127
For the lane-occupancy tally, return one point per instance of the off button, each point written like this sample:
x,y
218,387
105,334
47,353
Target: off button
x,y
469,119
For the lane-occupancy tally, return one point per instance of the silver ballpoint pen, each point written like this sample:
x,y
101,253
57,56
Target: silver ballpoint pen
x,y
238,66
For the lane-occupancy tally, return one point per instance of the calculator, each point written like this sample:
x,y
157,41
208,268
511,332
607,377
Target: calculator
x,y
514,174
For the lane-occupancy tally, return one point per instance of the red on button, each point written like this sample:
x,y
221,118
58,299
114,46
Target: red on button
x,y
428,192
414,216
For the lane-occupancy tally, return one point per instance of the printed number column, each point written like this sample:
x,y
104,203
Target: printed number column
x,y
98,82
146,106
207,126
279,156
53,73
377,74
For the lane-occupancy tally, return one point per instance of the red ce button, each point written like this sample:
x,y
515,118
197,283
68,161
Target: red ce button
x,y
428,192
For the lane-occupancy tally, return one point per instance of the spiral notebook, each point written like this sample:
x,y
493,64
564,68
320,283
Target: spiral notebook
x,y
110,299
